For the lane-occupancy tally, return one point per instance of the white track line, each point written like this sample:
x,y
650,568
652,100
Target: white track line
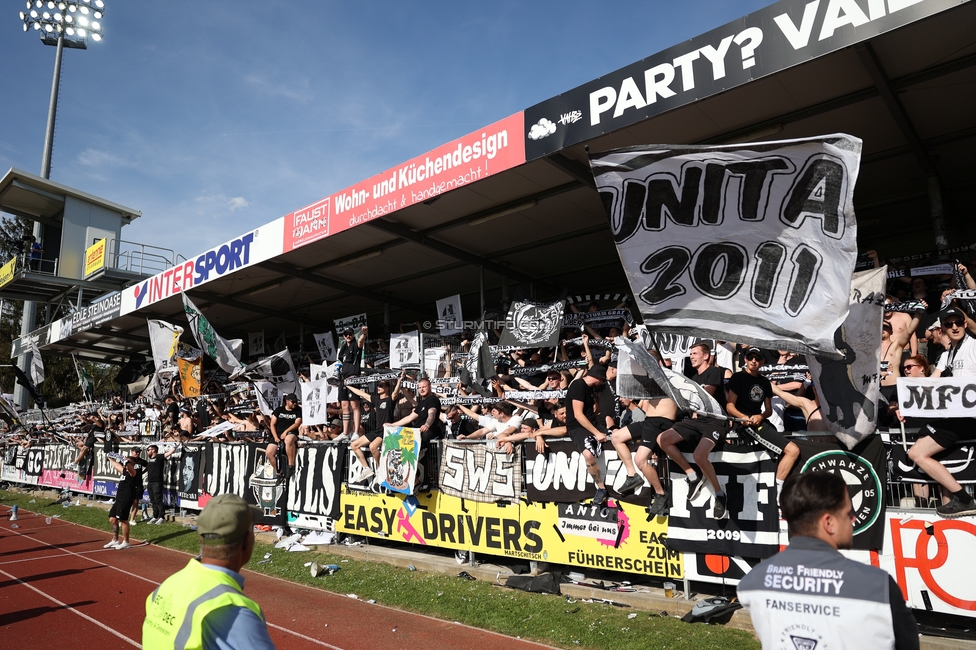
x,y
73,610
307,638
298,584
134,575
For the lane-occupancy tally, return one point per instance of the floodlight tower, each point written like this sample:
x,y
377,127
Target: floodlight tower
x,y
64,23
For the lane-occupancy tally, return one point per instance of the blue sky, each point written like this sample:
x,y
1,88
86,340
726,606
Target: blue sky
x,y
216,117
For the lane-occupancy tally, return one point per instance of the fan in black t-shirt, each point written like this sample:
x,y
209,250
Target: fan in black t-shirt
x,y
580,417
426,416
383,406
285,421
350,355
750,398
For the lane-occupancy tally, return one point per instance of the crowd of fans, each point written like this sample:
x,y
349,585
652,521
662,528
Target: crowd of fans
x,y
766,395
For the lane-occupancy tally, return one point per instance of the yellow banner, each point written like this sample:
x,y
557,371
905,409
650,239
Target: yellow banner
x,y
562,533
7,272
95,257
190,371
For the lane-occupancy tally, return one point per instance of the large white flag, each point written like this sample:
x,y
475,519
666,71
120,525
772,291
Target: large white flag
x,y
164,338
37,364
315,396
754,243
226,353
848,388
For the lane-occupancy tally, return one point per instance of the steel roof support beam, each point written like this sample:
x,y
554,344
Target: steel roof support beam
x,y
420,238
871,63
307,276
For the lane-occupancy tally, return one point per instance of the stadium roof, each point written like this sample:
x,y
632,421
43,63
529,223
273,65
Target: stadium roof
x,y
903,81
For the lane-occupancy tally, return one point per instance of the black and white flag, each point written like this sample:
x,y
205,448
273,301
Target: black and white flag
x,y
449,319
849,387
533,324
37,364
404,350
640,376
354,323
752,242
325,342
479,364
255,343
276,368
474,472
315,396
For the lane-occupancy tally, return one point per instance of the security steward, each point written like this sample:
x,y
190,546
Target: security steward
x,y
203,605
811,596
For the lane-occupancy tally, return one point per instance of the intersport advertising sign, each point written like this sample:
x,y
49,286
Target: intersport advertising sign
x,y
246,250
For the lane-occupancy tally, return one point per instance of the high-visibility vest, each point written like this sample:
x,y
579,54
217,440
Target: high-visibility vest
x,y
176,609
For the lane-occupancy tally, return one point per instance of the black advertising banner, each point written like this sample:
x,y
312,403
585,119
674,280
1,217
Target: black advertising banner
x,y
94,314
751,527
39,337
767,41
864,469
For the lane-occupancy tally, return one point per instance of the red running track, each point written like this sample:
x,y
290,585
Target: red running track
x,y
59,587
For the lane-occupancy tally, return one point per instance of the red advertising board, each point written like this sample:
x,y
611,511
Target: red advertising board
x,y
470,158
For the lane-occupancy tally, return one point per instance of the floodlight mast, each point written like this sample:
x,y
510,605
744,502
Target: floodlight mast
x,y
60,23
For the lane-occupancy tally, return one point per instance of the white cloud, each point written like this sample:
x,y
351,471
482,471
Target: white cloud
x,y
95,158
237,202
298,90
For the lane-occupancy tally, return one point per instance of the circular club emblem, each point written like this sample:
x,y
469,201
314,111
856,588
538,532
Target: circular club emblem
x,y
756,393
534,323
862,483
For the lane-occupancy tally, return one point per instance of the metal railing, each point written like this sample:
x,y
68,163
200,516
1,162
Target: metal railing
x,y
144,259
25,263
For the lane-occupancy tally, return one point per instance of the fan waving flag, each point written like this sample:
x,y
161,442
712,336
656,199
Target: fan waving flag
x,y
277,368
754,242
479,364
533,324
640,376
226,353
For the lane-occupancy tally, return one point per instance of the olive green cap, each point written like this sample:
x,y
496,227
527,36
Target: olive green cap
x,y
226,520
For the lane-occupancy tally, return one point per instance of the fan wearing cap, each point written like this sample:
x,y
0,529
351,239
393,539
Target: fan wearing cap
x,y
203,605
580,417
937,435
285,422
749,397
